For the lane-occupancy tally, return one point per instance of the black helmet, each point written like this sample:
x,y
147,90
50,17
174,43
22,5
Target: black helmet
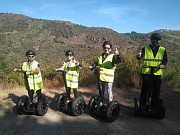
x,y
155,36
30,52
107,43
69,52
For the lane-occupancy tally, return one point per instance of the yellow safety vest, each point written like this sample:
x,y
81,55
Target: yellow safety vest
x,y
33,81
72,75
149,60
106,68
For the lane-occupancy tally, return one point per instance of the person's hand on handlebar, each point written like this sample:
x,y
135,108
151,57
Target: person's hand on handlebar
x,y
162,66
90,67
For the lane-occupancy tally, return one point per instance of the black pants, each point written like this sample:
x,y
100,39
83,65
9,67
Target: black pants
x,y
31,93
102,88
68,91
150,83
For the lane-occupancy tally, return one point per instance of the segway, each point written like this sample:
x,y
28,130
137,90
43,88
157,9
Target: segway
x,y
24,106
69,105
101,107
147,110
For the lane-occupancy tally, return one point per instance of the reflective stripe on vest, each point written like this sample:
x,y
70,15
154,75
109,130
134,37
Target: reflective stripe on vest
x,y
106,68
150,61
72,75
34,80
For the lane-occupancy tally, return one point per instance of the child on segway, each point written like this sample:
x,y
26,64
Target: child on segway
x,y
32,78
70,72
105,67
71,68
106,62
154,59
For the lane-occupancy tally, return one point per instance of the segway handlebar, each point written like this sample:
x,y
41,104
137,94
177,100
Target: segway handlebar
x,y
60,70
63,76
96,69
153,67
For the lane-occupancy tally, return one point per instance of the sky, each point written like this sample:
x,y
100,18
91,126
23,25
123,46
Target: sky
x,y
123,16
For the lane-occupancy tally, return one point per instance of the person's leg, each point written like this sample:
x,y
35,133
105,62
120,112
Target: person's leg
x,y
75,93
30,99
101,91
39,94
144,89
156,90
31,93
68,91
110,94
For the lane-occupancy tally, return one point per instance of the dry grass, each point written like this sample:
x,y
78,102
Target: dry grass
x,y
125,96
9,97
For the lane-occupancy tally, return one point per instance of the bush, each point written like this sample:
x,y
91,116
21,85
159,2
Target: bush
x,y
127,73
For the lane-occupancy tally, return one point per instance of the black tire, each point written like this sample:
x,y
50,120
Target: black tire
x,y
42,106
78,106
92,103
60,101
136,107
22,103
112,111
161,110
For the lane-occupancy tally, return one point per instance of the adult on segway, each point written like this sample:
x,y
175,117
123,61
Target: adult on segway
x,y
154,59
105,65
33,83
70,72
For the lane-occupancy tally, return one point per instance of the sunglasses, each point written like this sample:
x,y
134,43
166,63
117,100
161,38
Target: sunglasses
x,y
30,56
107,48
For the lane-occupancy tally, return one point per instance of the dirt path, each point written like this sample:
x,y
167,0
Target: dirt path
x,y
56,123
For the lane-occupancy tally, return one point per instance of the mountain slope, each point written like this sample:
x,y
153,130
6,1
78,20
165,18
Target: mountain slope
x,y
50,39
19,33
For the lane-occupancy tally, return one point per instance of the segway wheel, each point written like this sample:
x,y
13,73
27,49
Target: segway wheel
x,y
78,106
161,110
91,104
22,103
42,106
136,107
112,111
60,101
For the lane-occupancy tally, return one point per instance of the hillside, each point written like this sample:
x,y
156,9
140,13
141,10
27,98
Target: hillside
x,y
50,38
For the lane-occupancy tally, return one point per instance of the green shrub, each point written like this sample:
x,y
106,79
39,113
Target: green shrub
x,y
127,73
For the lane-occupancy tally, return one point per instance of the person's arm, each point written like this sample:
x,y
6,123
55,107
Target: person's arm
x,y
93,66
79,66
116,59
164,61
17,70
140,54
61,68
35,71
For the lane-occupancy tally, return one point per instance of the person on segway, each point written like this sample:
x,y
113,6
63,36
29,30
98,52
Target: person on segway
x,y
71,68
70,74
106,62
32,76
154,59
